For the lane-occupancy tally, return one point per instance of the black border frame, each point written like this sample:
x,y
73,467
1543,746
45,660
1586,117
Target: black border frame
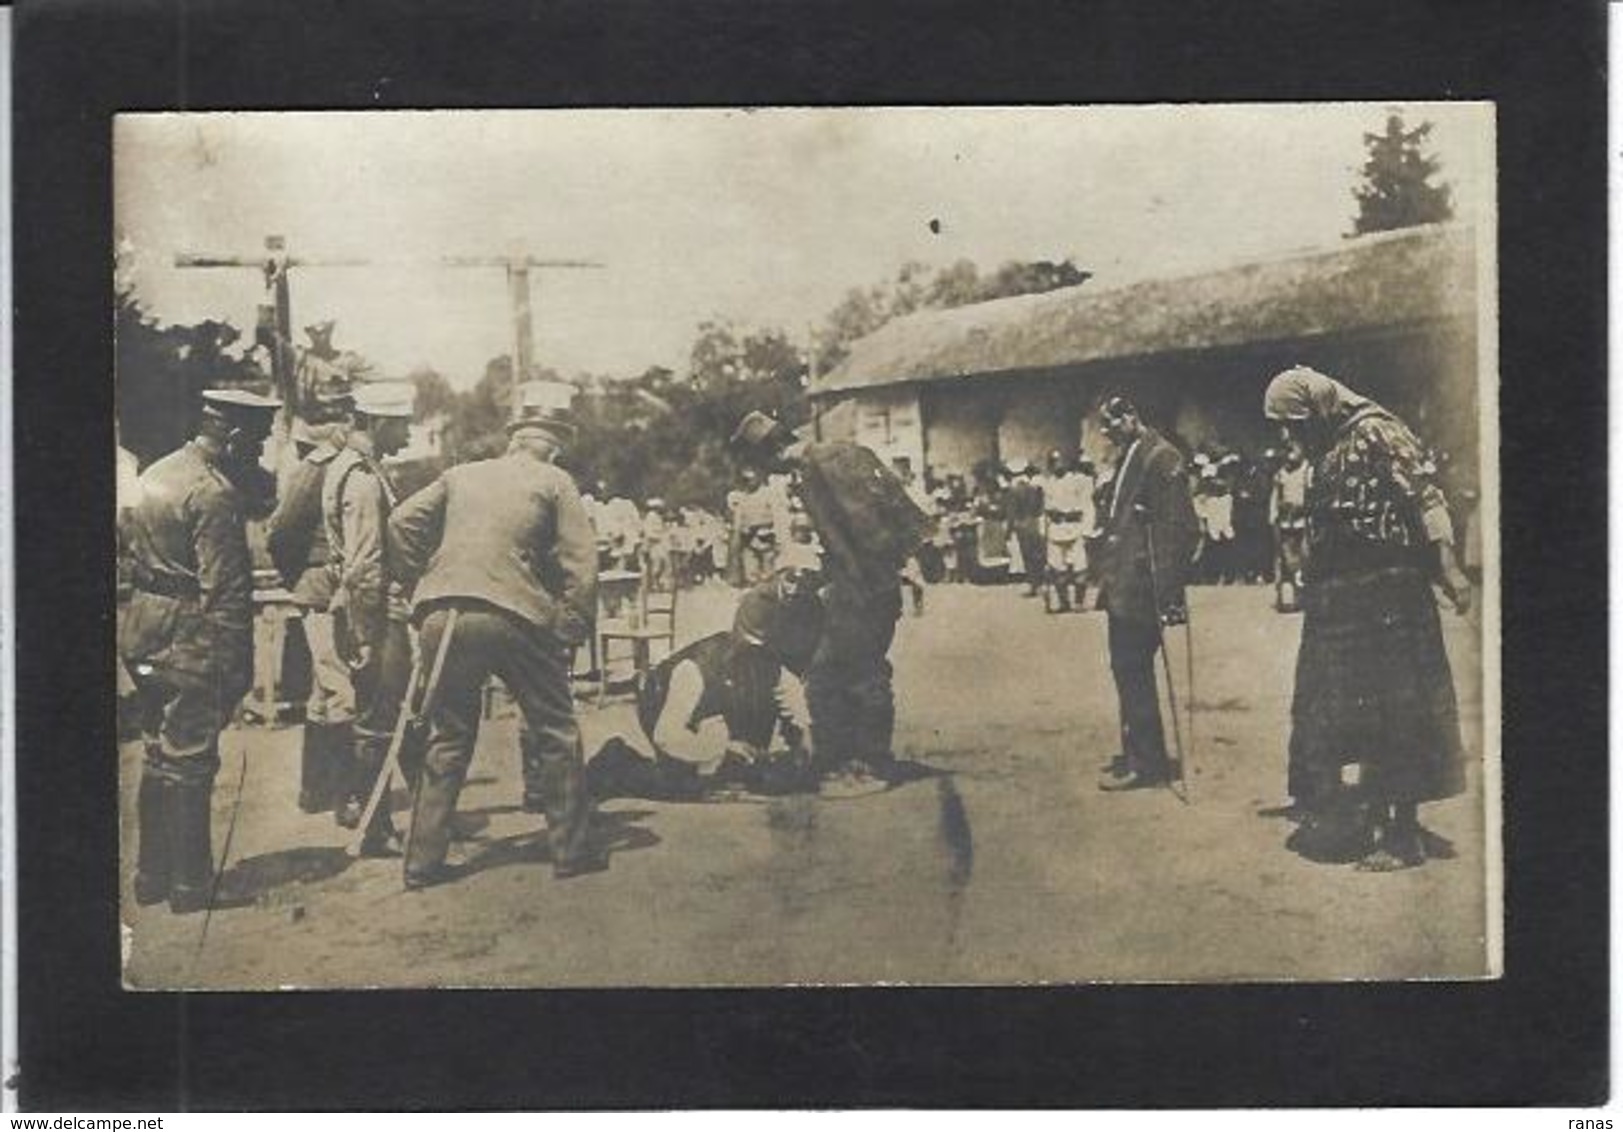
x,y
1539,1036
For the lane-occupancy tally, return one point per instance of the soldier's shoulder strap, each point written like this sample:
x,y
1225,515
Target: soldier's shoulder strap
x,y
365,463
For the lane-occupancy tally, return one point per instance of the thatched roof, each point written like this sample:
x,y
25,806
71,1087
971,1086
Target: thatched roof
x,y
1395,279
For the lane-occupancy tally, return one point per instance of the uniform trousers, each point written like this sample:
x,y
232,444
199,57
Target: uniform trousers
x,y
380,686
534,666
332,695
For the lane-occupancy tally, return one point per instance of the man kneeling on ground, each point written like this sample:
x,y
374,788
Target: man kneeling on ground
x,y
710,712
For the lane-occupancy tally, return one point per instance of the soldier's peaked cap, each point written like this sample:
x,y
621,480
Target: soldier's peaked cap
x,y
543,404
240,406
385,398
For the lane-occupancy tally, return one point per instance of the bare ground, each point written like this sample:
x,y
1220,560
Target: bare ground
x,y
1010,867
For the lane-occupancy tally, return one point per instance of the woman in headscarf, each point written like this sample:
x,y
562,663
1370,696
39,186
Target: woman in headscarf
x,y
1373,683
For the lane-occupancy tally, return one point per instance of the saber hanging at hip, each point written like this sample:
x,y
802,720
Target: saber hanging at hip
x,y
422,692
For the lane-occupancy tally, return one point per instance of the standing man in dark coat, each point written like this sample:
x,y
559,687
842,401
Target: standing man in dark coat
x,y
867,525
1150,510
186,637
507,545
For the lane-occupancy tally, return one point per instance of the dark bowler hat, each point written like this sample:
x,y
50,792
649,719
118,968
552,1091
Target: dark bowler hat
x,y
240,408
757,432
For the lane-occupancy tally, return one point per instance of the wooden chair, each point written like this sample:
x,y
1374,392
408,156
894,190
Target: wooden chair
x,y
643,619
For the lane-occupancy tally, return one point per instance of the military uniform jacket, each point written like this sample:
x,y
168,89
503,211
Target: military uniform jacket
x,y
511,532
191,610
296,533
356,499
1152,503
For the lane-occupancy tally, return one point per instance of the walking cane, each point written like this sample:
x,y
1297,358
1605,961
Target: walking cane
x,y
1166,667
402,727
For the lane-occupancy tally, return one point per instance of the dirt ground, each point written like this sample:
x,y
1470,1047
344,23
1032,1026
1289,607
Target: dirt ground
x,y
1010,867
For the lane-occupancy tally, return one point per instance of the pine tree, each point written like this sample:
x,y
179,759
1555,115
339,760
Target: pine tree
x,y
1397,191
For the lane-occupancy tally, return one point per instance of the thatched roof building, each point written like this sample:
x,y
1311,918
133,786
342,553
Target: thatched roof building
x,y
1398,308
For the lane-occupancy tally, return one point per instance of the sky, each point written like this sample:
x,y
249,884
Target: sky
x,y
762,217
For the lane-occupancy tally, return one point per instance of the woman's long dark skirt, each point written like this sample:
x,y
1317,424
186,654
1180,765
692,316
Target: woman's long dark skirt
x,y
1374,687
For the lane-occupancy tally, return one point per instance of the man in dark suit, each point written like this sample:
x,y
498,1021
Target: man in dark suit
x,y
1150,533
505,544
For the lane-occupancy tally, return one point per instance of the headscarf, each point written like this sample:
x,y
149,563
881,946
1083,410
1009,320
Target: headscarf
x,y
1301,393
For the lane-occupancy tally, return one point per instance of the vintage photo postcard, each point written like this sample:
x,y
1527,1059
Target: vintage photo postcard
x,y
750,548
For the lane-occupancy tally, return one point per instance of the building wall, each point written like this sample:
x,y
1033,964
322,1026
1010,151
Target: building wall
x,y
960,427
1425,375
1045,416
889,422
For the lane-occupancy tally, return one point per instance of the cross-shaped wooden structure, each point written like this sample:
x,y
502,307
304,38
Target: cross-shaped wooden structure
x,y
275,263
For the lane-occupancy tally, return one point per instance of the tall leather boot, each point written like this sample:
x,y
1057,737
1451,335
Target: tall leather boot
x,y
432,808
357,777
535,790
381,840
152,874
322,764
191,845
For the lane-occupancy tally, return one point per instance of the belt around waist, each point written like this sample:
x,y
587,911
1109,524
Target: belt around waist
x,y
1065,516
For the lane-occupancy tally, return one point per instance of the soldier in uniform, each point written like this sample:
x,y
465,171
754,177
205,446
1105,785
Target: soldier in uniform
x,y
1068,517
867,525
186,636
296,537
368,607
505,543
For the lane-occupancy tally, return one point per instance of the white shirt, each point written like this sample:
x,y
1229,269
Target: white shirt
x,y
1121,475
705,746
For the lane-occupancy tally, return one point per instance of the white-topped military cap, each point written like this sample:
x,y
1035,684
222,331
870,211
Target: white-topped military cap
x,y
385,398
239,401
241,409
543,404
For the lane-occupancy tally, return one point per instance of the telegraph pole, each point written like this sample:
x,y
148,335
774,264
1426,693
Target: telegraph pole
x,y
518,267
273,263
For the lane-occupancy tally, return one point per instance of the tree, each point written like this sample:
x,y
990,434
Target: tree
x,y
162,371
1397,190
434,397
917,287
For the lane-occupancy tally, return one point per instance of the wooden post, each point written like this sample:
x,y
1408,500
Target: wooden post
x,y
518,285
283,364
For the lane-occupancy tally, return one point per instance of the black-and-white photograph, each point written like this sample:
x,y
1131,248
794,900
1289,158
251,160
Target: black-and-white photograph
x,y
709,548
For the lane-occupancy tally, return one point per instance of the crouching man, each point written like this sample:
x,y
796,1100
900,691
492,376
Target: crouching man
x,y
712,711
